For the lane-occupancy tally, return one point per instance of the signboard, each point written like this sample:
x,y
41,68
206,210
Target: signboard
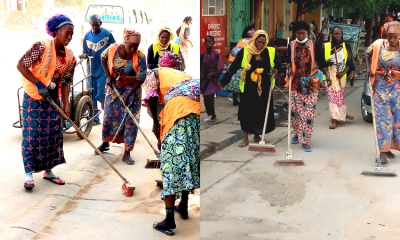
x,y
216,27
351,32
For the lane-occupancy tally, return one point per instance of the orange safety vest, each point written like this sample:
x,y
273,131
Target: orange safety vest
x,y
111,55
168,77
240,43
314,67
44,71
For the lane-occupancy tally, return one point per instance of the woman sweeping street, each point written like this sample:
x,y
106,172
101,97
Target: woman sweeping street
x,y
42,129
161,46
306,81
383,65
257,62
126,61
336,80
233,85
178,135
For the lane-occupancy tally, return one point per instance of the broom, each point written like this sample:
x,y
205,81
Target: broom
x,y
289,160
127,187
379,170
261,146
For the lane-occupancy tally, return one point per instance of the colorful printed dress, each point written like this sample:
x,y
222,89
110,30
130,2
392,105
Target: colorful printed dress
x,y
337,106
304,88
42,130
180,128
386,96
114,110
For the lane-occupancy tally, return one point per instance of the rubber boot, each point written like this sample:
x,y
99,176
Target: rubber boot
x,y
182,207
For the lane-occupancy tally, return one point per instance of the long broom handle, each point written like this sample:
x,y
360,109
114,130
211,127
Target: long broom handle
x,y
337,67
134,120
87,139
267,113
289,113
374,119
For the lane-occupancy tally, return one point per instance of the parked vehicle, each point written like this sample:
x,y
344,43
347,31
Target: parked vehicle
x,y
366,109
116,17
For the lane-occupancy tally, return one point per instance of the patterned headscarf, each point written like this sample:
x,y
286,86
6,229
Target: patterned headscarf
x,y
252,50
160,46
170,60
131,36
392,27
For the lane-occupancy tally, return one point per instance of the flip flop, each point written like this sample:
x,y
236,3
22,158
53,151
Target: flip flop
x,y
213,122
56,180
168,232
128,161
306,150
29,184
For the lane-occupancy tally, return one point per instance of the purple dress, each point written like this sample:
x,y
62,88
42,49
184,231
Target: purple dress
x,y
211,67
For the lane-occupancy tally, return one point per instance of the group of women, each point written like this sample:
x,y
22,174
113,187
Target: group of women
x,y
47,70
309,65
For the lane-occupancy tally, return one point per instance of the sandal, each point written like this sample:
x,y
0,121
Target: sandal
x,y
168,232
102,148
333,125
349,117
390,155
182,215
56,180
257,139
213,122
128,160
29,184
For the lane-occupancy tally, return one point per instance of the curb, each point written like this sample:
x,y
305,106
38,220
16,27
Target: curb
x,y
221,145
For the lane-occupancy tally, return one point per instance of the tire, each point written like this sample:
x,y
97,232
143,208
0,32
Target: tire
x,y
366,115
83,112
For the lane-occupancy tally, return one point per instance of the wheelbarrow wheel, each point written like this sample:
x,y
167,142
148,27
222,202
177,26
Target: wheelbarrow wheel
x,y
83,113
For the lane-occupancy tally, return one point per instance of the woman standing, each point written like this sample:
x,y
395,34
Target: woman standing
x,y
42,130
336,80
161,46
183,33
233,85
383,64
178,135
306,81
126,61
258,63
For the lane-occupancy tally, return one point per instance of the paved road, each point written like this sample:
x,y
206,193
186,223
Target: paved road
x,y
244,196
91,204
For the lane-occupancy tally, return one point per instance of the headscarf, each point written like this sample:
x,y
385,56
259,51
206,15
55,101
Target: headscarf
x,y
392,27
160,46
131,36
56,22
170,60
252,50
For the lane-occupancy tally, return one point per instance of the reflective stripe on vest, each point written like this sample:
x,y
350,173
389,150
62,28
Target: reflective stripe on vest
x,y
174,48
328,48
111,55
271,52
44,71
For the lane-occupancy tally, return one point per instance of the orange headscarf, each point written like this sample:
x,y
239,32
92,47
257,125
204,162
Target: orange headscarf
x,y
131,36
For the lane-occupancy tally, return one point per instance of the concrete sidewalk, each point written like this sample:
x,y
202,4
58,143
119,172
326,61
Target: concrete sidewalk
x,y
216,137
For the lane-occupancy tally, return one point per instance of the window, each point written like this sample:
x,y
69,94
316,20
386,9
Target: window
x,y
213,7
108,13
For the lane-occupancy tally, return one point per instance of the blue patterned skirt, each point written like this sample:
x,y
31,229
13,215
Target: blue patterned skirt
x,y
180,157
42,135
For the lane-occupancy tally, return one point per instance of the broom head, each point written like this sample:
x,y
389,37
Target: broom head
x,y
287,162
262,147
153,163
128,189
379,172
159,183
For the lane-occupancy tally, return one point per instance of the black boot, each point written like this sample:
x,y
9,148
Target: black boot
x,y
167,224
182,207
235,101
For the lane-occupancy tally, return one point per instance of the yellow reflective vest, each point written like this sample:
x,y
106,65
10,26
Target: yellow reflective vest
x,y
271,52
328,48
174,48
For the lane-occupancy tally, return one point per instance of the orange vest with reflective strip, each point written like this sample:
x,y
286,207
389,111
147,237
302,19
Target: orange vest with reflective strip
x,y
44,71
111,55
